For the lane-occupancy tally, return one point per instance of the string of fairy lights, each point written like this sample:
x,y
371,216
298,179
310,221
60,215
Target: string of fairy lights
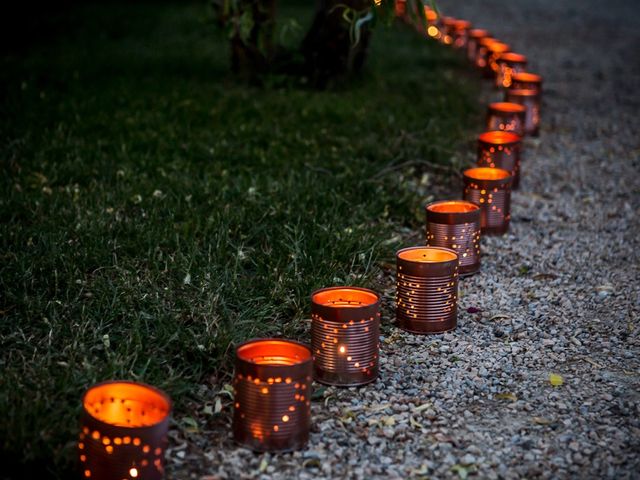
x,y
124,425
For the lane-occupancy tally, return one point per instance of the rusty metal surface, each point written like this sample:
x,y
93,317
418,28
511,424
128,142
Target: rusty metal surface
x,y
458,229
272,402
448,30
506,116
499,149
495,51
527,81
492,195
113,450
345,331
461,33
509,63
530,99
475,36
426,292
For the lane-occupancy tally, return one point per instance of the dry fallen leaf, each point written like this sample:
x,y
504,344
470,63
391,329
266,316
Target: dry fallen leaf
x,y
506,396
542,421
423,470
189,425
227,390
389,421
592,362
414,423
544,276
422,407
311,463
378,408
347,416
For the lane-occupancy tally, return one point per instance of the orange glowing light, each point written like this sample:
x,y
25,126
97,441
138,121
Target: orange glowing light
x,y
344,297
273,352
136,406
513,57
133,472
499,137
488,41
485,173
430,14
478,33
507,107
523,92
527,77
497,47
427,255
452,206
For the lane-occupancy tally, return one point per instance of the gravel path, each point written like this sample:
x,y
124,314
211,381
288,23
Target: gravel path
x,y
559,294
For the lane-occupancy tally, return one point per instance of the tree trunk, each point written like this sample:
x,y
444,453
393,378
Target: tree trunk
x,y
252,37
328,48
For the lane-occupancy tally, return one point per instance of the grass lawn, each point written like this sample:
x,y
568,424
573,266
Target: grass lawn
x,y
154,212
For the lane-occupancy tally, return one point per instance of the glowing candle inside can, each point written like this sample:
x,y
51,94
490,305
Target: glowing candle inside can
x,y
490,189
426,289
475,36
527,81
455,224
530,100
495,50
499,149
123,431
461,33
506,116
272,401
448,29
509,63
345,326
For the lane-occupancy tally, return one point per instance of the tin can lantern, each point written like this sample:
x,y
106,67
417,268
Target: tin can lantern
x,y
507,116
527,81
455,224
461,33
430,15
530,99
495,51
272,403
448,29
427,289
400,7
482,52
508,64
473,42
432,20
123,431
490,189
498,149
345,331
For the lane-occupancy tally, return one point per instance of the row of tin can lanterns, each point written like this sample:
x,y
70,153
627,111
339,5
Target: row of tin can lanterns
x,y
124,424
